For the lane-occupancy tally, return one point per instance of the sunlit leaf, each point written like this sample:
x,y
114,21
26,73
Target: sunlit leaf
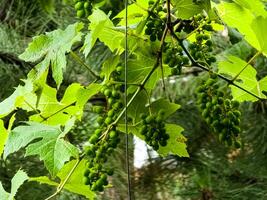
x,y
247,79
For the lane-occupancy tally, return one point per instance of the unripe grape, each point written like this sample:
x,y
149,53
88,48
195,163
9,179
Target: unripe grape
x,y
93,139
80,13
79,5
86,180
107,92
113,134
108,120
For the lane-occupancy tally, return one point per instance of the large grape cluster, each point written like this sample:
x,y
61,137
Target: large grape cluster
x,y
105,138
175,58
220,112
155,24
83,8
154,131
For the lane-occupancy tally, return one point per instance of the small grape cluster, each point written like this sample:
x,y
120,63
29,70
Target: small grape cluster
x,y
203,46
105,138
83,8
175,58
154,131
201,49
220,112
155,24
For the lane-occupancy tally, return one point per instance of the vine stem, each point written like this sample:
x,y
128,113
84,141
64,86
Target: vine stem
x,y
79,60
62,184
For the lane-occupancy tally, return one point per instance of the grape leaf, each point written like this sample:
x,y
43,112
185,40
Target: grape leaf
x,y
75,183
19,178
253,30
241,49
247,79
139,67
54,112
135,13
187,8
16,99
3,136
176,144
86,93
110,65
259,26
51,146
4,195
51,49
163,104
102,28
234,16
140,105
255,6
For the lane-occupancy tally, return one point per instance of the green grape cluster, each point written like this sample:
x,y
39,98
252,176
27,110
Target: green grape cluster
x,y
83,8
220,112
154,131
155,24
105,138
175,58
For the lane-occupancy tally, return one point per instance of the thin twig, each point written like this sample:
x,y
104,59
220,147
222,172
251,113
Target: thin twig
x,y
196,64
62,184
79,60
247,64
